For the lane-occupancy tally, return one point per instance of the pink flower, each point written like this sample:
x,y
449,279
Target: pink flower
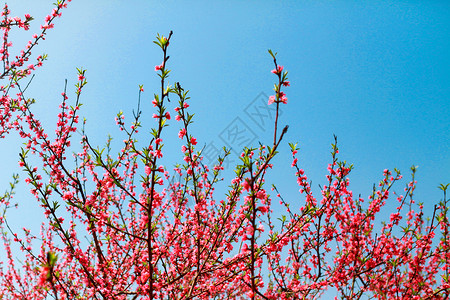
x,y
148,170
80,77
246,185
43,276
277,70
271,99
178,118
158,141
157,68
263,209
167,116
261,194
193,141
282,98
286,83
182,133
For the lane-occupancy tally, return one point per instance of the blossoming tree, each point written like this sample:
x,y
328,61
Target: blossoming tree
x,y
114,231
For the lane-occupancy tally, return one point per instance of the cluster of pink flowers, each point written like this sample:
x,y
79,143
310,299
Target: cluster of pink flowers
x,y
181,241
13,105
279,97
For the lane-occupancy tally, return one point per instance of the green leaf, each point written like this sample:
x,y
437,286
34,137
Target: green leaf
x,y
443,187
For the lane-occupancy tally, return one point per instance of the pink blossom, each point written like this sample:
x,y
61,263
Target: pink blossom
x,y
283,97
148,170
43,276
182,133
263,209
246,185
277,70
271,99
261,194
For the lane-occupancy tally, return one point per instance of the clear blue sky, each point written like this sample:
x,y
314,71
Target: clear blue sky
x,y
376,74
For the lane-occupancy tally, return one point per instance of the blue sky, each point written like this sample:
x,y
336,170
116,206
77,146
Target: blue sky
x,y
376,74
